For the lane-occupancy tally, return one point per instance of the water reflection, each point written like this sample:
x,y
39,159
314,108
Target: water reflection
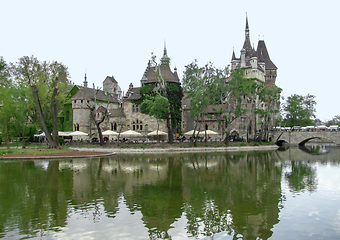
x,y
183,196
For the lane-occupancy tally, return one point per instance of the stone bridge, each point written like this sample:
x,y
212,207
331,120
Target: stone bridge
x,y
301,137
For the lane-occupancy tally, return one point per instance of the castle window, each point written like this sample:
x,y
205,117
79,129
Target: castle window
x,y
137,127
133,127
133,108
75,101
146,127
137,121
81,101
77,127
141,127
128,127
136,108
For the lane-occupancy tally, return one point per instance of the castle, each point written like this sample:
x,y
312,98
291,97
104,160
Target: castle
x,y
121,113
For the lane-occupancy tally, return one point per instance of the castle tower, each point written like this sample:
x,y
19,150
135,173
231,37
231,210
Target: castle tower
x,y
264,60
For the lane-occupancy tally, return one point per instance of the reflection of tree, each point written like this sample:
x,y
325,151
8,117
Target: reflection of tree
x,y
239,196
34,199
301,177
161,202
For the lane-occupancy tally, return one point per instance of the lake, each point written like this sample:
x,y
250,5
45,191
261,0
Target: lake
x,y
291,194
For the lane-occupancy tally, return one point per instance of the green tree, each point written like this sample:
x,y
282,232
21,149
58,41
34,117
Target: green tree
x,y
334,121
156,106
202,85
235,90
269,110
299,110
6,102
45,80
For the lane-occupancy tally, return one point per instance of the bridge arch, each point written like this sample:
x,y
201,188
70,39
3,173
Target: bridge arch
x,y
302,143
301,138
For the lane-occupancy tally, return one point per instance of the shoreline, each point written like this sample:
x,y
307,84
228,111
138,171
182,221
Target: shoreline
x,y
179,150
82,152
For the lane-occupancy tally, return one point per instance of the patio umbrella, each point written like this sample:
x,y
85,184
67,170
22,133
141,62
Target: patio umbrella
x,y
190,133
209,132
78,133
160,133
109,132
130,133
63,134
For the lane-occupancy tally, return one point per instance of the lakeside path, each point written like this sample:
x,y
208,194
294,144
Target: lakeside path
x,y
178,150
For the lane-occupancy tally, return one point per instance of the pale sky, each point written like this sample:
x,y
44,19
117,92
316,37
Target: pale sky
x,y
106,38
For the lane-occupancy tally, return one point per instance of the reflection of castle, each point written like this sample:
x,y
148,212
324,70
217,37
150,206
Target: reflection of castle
x,y
215,193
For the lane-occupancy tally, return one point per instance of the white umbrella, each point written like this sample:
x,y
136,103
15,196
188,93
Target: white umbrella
x,y
130,133
63,134
160,133
209,132
109,132
190,133
78,133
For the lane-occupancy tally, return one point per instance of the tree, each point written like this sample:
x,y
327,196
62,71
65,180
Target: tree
x,y
299,110
269,110
334,121
93,115
199,83
156,106
45,79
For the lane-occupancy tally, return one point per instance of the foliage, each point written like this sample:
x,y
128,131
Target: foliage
x,y
334,121
299,110
175,95
156,106
204,86
46,81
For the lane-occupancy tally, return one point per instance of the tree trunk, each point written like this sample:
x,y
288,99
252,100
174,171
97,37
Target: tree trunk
x,y
50,140
168,124
6,134
54,114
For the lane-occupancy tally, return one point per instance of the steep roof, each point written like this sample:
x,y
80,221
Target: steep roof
x,y
263,56
151,76
133,93
89,94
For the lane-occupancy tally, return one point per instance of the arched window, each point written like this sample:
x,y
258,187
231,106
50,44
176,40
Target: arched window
x,y
77,129
133,108
136,108
115,127
146,127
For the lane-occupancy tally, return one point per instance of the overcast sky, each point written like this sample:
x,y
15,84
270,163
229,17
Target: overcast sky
x,y
106,38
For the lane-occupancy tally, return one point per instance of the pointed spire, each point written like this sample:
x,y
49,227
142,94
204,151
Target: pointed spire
x,y
165,59
233,57
247,27
85,80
